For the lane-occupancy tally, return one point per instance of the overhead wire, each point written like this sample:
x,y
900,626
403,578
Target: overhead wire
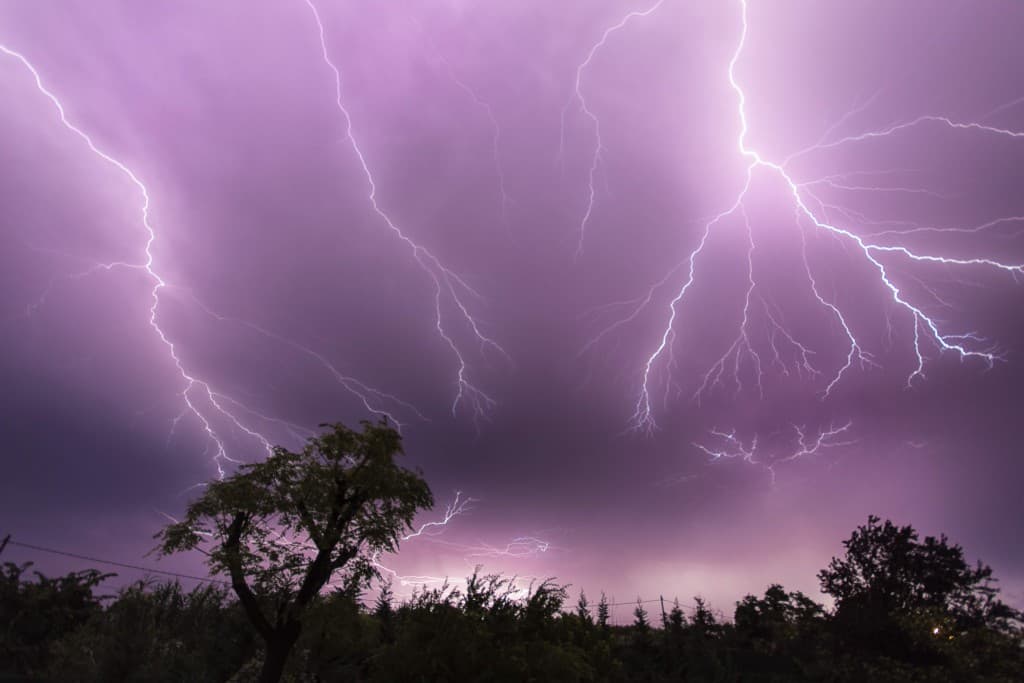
x,y
206,579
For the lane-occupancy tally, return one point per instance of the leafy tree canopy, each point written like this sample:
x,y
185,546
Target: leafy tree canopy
x,y
887,570
282,528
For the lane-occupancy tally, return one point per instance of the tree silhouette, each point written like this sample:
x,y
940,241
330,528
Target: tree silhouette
x,y
602,614
492,629
641,629
383,610
886,570
583,609
282,528
33,613
917,602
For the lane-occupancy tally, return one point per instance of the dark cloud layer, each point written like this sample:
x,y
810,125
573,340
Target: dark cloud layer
x,y
276,263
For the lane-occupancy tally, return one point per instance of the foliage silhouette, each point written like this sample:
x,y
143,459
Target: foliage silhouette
x,y
942,618
282,528
36,613
919,603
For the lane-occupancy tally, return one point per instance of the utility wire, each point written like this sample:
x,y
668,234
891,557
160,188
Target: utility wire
x,y
203,579
632,602
112,563
151,570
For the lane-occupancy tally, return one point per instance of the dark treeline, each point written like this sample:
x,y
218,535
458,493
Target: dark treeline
x,y
282,531
905,610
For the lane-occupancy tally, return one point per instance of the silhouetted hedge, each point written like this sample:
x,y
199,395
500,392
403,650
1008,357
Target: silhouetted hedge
x,y
904,611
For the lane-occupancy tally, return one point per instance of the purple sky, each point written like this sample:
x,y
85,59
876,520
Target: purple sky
x,y
548,287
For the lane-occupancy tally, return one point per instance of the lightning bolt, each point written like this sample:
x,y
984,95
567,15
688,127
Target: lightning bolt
x,y
212,407
433,532
195,388
505,198
457,507
201,400
742,347
429,530
731,446
485,106
595,122
447,285
811,215
522,546
371,398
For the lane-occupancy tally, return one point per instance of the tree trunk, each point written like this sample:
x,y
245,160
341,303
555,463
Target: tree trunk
x,y
279,646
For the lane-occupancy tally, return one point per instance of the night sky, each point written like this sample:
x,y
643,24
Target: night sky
x,y
677,293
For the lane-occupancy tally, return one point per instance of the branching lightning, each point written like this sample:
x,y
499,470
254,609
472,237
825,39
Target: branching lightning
x,y
216,411
517,548
457,507
448,286
762,345
195,388
492,119
201,400
370,397
521,546
746,357
595,122
729,445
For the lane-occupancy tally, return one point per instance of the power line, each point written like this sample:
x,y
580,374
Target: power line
x,y
203,579
151,570
113,563
632,602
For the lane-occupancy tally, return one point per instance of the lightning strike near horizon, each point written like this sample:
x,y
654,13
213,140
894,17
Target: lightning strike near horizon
x,y
433,532
448,286
750,357
458,506
455,508
521,546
